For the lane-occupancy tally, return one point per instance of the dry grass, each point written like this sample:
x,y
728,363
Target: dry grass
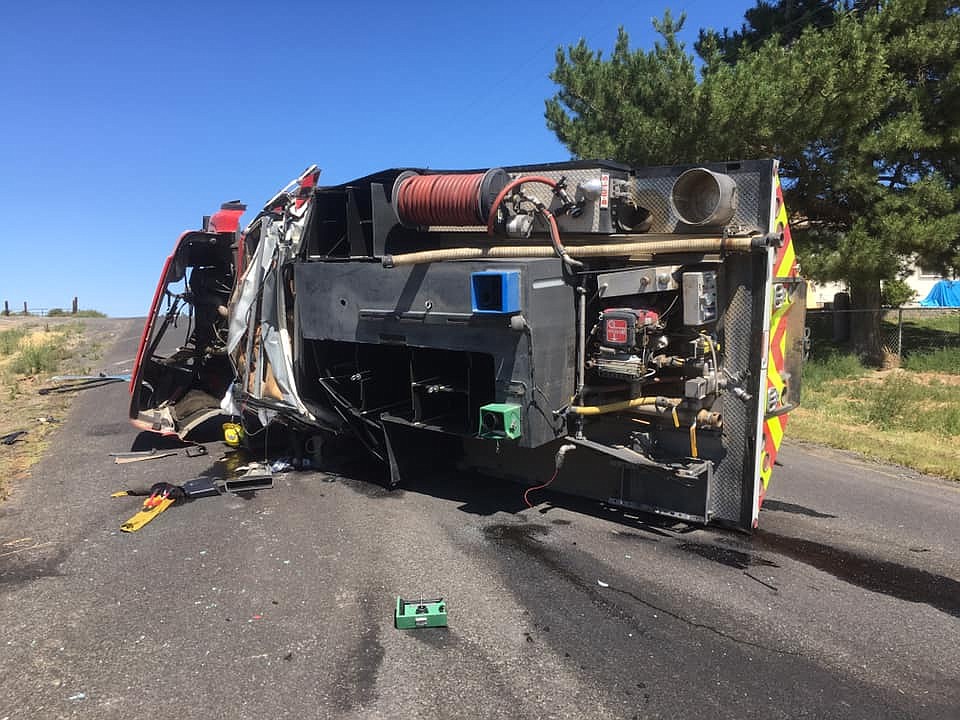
x,y
32,350
908,418
924,451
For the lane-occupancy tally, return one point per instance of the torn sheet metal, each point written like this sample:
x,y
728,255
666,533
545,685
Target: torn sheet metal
x,y
258,339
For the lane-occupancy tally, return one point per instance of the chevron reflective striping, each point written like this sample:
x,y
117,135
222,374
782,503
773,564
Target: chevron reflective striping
x,y
784,265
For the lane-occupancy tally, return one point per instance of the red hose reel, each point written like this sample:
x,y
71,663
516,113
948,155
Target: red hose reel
x,y
455,199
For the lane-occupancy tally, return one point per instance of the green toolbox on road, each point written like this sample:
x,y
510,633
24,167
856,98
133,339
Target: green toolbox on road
x,y
420,613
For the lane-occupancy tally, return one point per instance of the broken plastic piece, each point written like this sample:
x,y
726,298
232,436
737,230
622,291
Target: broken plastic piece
x,y
281,465
200,487
256,478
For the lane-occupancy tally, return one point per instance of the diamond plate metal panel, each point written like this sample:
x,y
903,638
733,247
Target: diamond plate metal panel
x,y
653,193
736,331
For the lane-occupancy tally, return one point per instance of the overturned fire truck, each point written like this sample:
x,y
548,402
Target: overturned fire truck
x,y
632,335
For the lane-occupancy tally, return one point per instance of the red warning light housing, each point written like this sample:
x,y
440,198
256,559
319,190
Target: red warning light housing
x,y
620,325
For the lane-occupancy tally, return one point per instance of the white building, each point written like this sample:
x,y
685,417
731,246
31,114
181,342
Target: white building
x,y
920,279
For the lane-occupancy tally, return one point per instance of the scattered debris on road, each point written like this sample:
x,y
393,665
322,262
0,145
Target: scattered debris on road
x,y
11,438
160,496
122,458
71,383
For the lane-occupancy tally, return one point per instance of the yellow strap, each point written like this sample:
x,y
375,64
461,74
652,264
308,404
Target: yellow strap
x,y
146,515
119,493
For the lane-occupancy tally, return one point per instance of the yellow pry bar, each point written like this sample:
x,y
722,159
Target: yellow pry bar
x,y
146,514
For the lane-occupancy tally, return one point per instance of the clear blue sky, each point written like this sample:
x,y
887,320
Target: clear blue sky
x,y
124,123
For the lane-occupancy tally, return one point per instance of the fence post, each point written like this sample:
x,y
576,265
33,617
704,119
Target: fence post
x,y
900,332
25,307
6,307
74,305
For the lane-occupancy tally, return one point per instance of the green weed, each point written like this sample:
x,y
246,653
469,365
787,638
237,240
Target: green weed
x,y
944,360
10,340
946,322
901,403
817,372
39,357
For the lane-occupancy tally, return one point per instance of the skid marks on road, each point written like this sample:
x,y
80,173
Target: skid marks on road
x,y
24,560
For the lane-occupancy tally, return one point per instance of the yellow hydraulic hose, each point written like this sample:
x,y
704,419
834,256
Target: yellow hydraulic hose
x,y
619,406
653,406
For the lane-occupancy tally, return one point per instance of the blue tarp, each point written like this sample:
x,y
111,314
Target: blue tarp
x,y
946,293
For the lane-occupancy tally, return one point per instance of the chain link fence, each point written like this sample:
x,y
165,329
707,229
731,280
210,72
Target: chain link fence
x,y
903,331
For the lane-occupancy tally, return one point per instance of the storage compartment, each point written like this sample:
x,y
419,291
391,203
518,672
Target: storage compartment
x,y
436,389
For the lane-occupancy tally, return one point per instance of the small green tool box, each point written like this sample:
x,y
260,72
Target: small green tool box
x,y
420,613
500,421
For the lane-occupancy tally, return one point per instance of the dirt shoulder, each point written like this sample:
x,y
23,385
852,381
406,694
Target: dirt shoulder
x,y
62,346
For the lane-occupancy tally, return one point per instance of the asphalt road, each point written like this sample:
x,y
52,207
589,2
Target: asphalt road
x,y
280,605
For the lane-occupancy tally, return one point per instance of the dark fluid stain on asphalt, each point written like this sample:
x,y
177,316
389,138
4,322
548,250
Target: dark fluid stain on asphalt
x,y
559,521
15,572
881,576
227,467
631,536
361,475
355,684
525,538
726,556
513,533
778,506
369,488
107,429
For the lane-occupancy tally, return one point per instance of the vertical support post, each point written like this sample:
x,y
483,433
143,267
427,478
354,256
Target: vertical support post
x,y
75,305
25,312
6,307
899,332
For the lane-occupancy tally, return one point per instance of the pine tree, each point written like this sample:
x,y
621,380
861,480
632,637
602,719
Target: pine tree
x,y
860,102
